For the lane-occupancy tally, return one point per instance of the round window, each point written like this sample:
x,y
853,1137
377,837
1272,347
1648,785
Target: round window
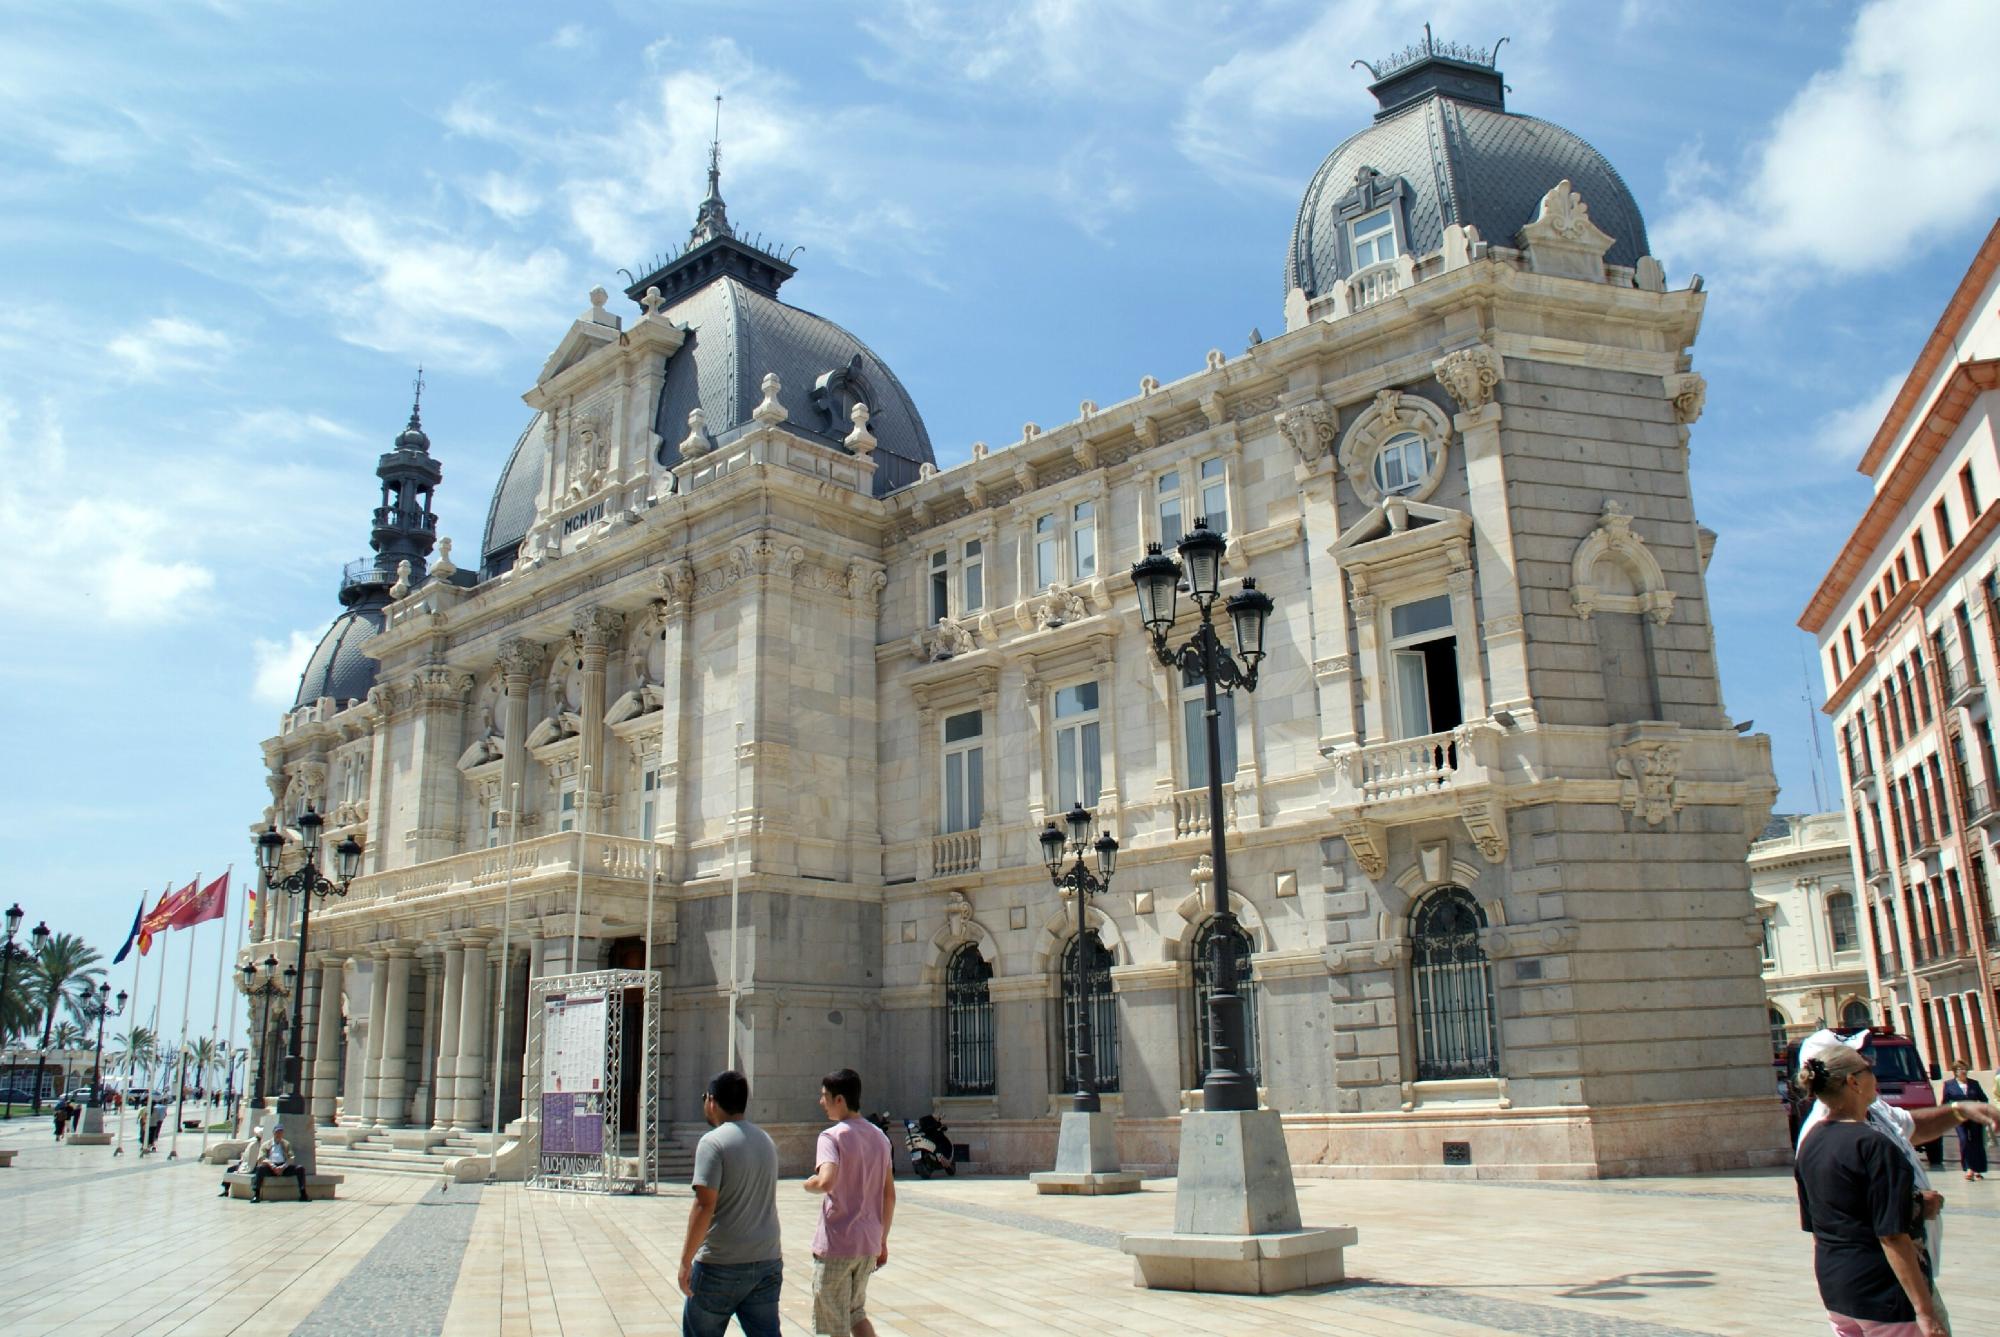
x,y
1403,463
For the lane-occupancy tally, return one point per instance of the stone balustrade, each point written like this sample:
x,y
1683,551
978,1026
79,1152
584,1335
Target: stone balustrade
x,y
957,852
1191,810
541,858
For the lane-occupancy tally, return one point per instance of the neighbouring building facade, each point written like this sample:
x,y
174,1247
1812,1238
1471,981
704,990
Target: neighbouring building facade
x,y
1801,874
1907,622
1488,814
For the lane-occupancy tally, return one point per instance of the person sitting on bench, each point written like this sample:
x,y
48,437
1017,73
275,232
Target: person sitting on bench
x,y
246,1162
277,1160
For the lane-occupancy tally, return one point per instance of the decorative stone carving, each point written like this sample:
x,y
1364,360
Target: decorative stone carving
x,y
1215,359
443,569
1470,375
1309,429
1614,572
652,301
589,452
958,917
1650,774
1689,391
861,441
1368,842
1486,822
1148,384
1057,605
519,658
865,582
979,450
697,442
597,627
948,638
769,411
1561,240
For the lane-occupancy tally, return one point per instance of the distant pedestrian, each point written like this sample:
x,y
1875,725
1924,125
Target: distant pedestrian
x,y
1858,1196
155,1116
852,1241
731,1262
62,1118
1971,1137
277,1160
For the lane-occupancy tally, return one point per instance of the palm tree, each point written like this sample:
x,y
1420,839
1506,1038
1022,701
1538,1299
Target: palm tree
x,y
138,1046
204,1054
68,1036
64,970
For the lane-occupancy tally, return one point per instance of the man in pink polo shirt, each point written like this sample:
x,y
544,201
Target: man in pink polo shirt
x,y
852,1240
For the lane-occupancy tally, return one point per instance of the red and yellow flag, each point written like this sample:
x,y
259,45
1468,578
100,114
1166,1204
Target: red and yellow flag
x,y
211,902
161,917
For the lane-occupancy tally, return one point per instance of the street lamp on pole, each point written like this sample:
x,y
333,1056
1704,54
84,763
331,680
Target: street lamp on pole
x,y
7,954
1079,882
308,882
100,1005
264,990
41,935
1159,580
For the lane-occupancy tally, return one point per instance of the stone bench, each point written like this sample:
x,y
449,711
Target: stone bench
x,y
285,1189
7,1157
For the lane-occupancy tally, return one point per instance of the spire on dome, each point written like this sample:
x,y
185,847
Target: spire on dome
x,y
713,219
413,437
405,528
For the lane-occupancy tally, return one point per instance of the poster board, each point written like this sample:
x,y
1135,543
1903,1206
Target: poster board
x,y
575,1042
588,1058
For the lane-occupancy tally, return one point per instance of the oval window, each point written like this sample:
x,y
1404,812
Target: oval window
x,y
1403,463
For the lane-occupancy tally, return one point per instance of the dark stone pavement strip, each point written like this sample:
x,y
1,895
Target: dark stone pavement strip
x,y
1495,1314
53,1183
404,1284
1954,1204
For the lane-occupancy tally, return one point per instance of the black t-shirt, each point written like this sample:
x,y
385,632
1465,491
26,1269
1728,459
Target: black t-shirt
x,y
1855,1186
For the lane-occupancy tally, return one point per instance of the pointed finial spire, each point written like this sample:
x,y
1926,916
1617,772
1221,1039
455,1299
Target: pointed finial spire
x,y
417,398
412,436
712,220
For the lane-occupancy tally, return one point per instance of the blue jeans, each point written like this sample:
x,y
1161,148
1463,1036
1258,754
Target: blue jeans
x,y
749,1291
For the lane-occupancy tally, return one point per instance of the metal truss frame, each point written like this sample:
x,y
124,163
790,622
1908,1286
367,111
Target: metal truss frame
x,y
617,1173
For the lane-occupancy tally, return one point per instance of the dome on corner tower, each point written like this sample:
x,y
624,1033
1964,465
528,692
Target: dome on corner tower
x,y
1444,149
337,668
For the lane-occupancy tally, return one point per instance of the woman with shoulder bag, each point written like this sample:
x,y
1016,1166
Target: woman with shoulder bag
x,y
1971,1137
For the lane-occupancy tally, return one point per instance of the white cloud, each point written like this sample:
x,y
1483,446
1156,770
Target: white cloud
x,y
1871,160
572,37
114,548
169,344
1844,433
277,665
288,426
507,197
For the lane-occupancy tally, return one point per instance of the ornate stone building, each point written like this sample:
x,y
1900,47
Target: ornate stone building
x,y
1488,814
1815,973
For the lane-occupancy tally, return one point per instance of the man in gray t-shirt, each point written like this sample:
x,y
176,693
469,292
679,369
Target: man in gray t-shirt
x,y
731,1263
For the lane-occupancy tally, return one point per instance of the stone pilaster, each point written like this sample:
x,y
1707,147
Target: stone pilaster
x,y
378,1007
326,1043
670,816
439,696
444,1082
1472,376
597,631
422,1099
518,661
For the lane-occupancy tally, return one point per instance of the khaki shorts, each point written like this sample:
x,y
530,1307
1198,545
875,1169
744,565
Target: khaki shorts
x,y
840,1294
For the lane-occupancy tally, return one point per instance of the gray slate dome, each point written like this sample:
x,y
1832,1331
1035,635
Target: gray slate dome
x,y
1445,146
338,668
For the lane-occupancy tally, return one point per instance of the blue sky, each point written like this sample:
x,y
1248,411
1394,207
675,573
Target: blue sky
x,y
229,231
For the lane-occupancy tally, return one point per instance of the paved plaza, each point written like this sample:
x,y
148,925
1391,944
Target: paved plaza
x,y
129,1248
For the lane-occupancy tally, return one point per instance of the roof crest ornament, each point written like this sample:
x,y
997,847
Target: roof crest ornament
x,y
712,220
1431,48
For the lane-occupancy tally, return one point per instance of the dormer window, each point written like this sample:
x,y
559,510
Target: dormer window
x,y
1403,464
1373,239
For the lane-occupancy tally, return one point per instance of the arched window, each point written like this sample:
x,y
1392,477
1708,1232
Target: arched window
x,y
1204,985
1103,1014
1840,921
968,1024
1854,1016
1458,1031
1778,1025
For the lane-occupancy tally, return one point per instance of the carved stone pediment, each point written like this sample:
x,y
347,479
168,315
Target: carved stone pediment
x,y
1649,774
1309,429
1561,240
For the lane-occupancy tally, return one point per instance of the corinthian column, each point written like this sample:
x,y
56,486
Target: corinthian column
x,y
444,1084
395,1083
518,662
326,1042
468,1093
596,629
378,1005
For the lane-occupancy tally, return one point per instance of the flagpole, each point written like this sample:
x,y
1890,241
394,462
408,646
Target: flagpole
x,y
506,947
650,1133
125,1077
180,1086
215,1020
229,1046
159,992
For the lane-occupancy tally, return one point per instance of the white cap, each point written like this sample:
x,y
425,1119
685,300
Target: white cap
x,y
1823,1042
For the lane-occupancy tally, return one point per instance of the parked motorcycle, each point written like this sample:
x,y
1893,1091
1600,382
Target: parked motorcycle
x,y
929,1144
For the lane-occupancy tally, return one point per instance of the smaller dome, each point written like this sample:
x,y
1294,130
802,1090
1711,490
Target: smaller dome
x,y
337,668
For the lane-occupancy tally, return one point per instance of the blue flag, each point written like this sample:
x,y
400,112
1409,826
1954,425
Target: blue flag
x,y
133,936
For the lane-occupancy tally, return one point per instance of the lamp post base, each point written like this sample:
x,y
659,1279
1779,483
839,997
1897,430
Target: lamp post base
x,y
1087,1158
89,1129
1236,1215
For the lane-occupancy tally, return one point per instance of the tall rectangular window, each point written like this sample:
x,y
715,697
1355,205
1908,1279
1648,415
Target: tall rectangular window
x,y
940,585
1423,655
972,577
649,792
1079,761
1968,492
1215,494
1374,239
493,822
964,771
1942,514
566,807
1168,491
1195,728
1045,551
1083,541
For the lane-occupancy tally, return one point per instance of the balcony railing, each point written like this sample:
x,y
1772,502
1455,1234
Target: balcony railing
x,y
955,852
1191,810
540,858
1930,950
1407,767
1993,932
1961,684
1889,965
1371,286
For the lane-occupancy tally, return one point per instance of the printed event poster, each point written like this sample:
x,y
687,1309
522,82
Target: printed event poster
x,y
573,1044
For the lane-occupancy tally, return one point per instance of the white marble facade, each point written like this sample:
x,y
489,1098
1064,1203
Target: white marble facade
x,y
1815,965
1538,568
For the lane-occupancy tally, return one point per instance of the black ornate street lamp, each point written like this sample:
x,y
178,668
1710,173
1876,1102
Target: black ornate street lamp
x,y
7,954
41,935
308,882
99,1005
264,990
1160,579
1078,880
